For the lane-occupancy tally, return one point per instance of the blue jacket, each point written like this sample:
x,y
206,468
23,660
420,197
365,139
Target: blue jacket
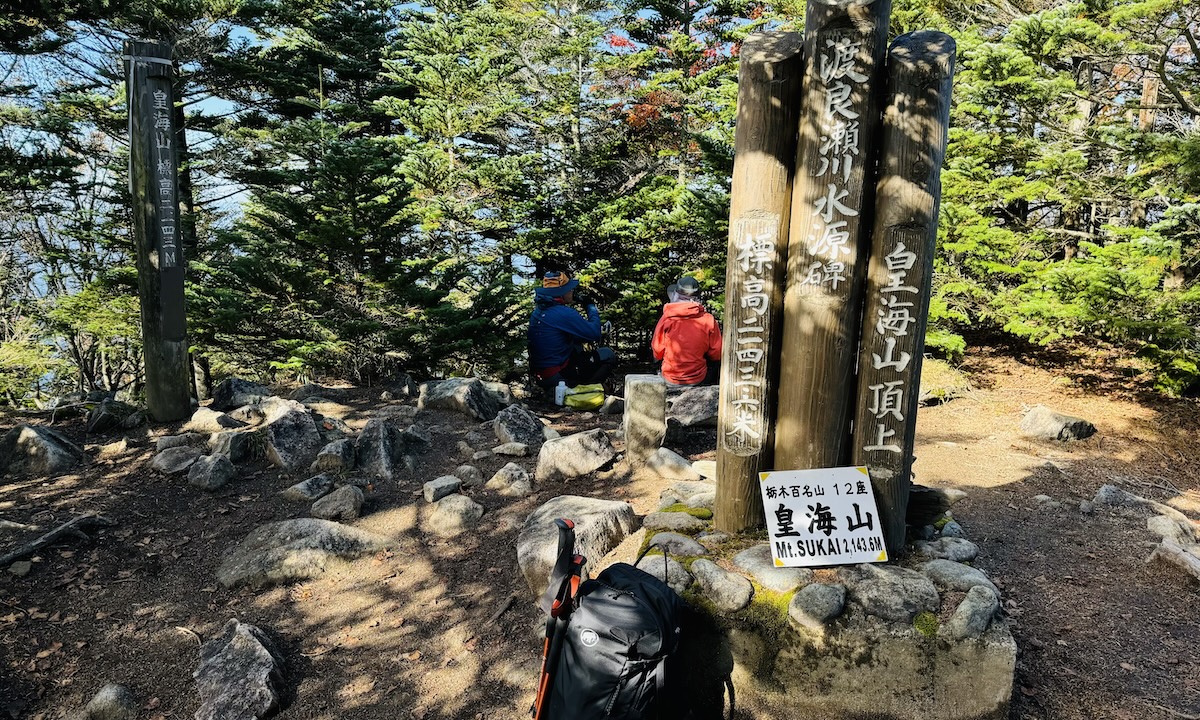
x,y
555,328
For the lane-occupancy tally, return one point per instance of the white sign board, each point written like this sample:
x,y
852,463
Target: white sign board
x,y
822,517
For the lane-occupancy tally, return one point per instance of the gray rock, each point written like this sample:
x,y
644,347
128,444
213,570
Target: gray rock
x,y
706,468
387,396
501,392
233,393
954,530
712,538
757,561
1043,423
813,606
464,448
673,573
417,438
483,455
250,414
600,525
439,488
671,465
336,457
1042,499
974,614
272,408
549,433
469,474
208,421
696,407
948,548
512,449
687,488
380,450
182,440
113,702
109,415
293,440
678,545
702,501
889,592
238,445
453,514
173,461
466,395
677,521
20,568
476,439
515,424
1115,496
240,674
508,476
317,486
294,550
927,533
573,456
36,451
1168,529
645,418
401,414
312,390
344,504
728,591
211,472
613,405
956,576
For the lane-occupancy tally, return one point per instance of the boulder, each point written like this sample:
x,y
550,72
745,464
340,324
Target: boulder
x,y
677,521
758,562
470,475
466,395
453,514
956,576
1042,423
293,441
678,545
948,548
729,592
696,407
211,472
574,455
343,504
889,592
109,415
250,414
208,421
336,457
669,570
238,445
173,461
511,449
515,424
511,480
815,605
379,450
113,702
272,408
671,465
317,486
974,614
233,393
439,488
280,552
600,525
181,440
240,674
36,451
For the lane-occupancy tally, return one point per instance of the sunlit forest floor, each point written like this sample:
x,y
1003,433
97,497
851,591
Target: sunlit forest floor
x,y
428,630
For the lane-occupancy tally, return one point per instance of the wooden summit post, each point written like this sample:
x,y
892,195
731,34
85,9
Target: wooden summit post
x,y
844,43
154,189
913,142
764,143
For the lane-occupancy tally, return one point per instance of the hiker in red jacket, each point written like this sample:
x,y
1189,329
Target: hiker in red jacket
x,y
687,338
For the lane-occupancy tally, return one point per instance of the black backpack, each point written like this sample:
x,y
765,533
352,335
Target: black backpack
x,y
612,655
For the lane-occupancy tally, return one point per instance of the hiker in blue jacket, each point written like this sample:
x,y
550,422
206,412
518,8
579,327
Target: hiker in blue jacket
x,y
557,333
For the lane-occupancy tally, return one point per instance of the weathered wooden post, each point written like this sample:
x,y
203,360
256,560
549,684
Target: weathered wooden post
x,y
154,189
915,123
844,44
765,145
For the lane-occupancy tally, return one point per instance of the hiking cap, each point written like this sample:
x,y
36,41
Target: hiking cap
x,y
687,286
556,284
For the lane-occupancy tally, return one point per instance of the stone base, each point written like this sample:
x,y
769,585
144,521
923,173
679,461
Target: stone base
x,y
853,672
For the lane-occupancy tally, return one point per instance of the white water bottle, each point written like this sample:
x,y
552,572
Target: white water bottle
x,y
560,393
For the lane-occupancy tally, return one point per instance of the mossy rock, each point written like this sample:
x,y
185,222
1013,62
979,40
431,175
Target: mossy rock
x,y
926,623
701,513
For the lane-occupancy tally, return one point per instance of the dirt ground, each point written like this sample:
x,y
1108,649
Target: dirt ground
x,y
446,628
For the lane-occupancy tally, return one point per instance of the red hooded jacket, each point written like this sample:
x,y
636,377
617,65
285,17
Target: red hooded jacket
x,y
686,337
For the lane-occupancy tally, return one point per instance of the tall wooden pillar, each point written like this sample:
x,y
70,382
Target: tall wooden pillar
x,y
154,189
765,145
915,123
844,44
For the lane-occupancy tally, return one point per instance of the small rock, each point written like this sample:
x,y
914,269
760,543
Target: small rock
x,y
974,614
712,539
343,504
336,457
211,472
311,489
1086,507
549,433
954,530
20,568
208,421
515,424
511,480
387,396
171,441
761,565
949,548
1043,423
1115,496
696,407
469,474
815,605
512,449
483,455
613,405
573,456
113,702
238,445
465,448
1042,498
673,573
729,592
233,393
956,576
439,488
706,468
677,521
671,465
453,514
678,545
240,674
889,592
173,461
249,414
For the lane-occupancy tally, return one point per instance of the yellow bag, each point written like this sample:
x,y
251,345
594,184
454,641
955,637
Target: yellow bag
x,y
585,397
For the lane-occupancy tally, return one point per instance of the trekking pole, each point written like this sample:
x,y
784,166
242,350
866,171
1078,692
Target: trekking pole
x,y
558,602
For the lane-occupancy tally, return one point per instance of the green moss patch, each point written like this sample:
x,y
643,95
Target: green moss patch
x,y
926,623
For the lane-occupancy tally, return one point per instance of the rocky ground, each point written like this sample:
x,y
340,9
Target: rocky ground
x,y
443,626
